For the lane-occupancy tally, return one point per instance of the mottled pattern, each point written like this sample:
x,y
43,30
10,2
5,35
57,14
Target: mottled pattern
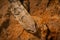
x,y
22,16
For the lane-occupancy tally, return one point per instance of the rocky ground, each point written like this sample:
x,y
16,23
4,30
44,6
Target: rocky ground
x,y
46,14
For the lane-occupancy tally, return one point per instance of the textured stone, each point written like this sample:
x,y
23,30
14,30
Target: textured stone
x,y
47,22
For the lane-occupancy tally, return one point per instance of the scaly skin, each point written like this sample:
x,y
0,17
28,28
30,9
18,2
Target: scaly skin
x,y
22,16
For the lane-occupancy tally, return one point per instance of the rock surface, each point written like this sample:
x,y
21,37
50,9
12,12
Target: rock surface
x,y
46,14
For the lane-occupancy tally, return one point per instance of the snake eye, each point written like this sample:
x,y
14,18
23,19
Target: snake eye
x,y
31,31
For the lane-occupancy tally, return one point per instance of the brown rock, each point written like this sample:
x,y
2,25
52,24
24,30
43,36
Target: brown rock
x,y
47,18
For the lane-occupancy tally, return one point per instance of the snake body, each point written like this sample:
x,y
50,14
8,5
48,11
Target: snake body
x,y
22,16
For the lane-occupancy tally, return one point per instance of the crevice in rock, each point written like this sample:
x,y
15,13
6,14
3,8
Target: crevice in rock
x,y
59,0
4,25
48,32
26,4
48,3
51,38
0,15
21,1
